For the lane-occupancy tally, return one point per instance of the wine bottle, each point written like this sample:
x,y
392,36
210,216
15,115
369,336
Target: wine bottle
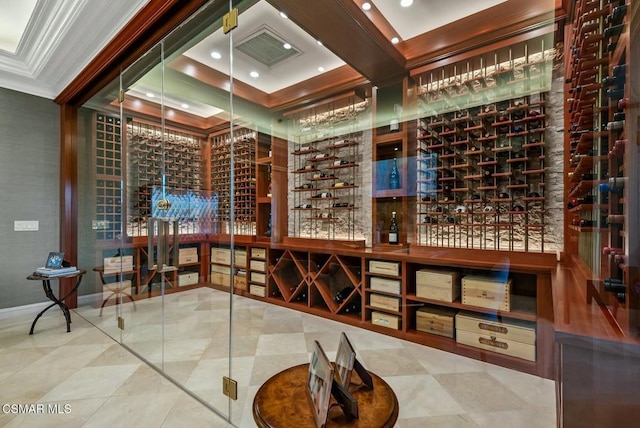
x,y
394,175
268,231
394,230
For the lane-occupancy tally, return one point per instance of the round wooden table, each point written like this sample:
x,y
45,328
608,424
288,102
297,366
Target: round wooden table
x,y
282,402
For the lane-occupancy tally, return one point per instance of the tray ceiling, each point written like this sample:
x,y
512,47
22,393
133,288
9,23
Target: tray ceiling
x,y
61,37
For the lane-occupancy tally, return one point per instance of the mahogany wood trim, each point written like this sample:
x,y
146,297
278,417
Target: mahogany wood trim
x,y
182,120
147,28
346,31
476,31
544,329
442,62
378,20
306,93
68,196
279,180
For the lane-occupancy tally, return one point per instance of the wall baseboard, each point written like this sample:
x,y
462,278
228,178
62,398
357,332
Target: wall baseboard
x,y
30,309
34,308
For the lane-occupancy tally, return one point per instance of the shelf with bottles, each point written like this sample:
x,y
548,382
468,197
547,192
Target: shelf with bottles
x,y
335,281
150,154
497,149
326,186
288,273
243,177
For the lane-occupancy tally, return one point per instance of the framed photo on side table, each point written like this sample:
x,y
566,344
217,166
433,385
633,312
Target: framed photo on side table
x,y
319,384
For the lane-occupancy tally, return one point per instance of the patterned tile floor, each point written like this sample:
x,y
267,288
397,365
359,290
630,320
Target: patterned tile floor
x,y
102,384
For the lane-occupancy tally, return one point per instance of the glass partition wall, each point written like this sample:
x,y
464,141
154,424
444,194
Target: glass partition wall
x,y
199,201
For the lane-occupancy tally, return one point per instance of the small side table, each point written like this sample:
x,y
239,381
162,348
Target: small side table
x,y
281,402
46,286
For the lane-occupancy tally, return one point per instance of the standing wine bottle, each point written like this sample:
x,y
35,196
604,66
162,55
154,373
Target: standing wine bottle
x,y
394,175
394,231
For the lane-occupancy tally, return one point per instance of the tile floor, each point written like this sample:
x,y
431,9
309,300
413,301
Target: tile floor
x,y
105,385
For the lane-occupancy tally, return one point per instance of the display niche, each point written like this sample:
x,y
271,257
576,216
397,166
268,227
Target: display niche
x,y
326,166
482,151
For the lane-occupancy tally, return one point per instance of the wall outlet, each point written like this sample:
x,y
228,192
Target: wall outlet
x,y
26,226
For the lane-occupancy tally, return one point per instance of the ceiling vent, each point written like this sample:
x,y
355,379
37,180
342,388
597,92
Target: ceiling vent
x,y
266,47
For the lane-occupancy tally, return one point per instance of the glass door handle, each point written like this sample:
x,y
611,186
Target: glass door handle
x,y
166,258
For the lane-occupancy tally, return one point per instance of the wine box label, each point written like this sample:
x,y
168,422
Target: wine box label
x,y
486,292
384,302
188,278
258,277
258,265
187,256
221,256
387,285
240,283
258,253
384,268
115,264
438,285
258,290
516,338
385,320
436,320
223,279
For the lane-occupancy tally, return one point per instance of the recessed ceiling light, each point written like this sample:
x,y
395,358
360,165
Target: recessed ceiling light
x,y
283,15
366,6
185,105
406,3
216,55
286,46
150,95
320,68
254,74
395,40
319,42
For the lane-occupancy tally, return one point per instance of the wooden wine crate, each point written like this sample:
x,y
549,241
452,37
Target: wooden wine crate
x,y
188,278
385,320
258,290
116,264
221,256
218,278
387,285
486,292
438,285
259,265
516,338
436,320
240,259
258,277
240,282
384,302
259,253
221,269
187,256
384,268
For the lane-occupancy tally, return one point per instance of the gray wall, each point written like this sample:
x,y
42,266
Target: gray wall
x,y
29,177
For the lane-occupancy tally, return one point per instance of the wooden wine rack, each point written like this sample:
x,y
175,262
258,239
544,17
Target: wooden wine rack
x,y
108,158
599,201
